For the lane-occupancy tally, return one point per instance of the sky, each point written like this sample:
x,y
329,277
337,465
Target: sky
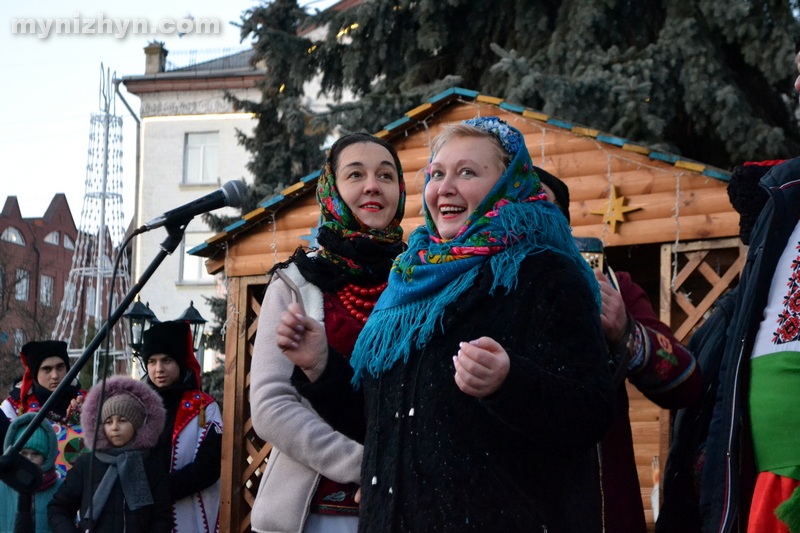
x,y
51,85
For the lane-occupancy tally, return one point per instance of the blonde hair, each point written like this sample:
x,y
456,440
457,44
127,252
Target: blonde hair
x,y
462,130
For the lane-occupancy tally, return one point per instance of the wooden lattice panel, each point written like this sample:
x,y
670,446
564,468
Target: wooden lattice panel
x,y
705,270
244,454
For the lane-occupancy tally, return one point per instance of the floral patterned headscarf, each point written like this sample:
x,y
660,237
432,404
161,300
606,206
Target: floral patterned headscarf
x,y
510,224
339,223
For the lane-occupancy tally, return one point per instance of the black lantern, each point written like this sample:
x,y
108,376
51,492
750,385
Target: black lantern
x,y
197,322
139,318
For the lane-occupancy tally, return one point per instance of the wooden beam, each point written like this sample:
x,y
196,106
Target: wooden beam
x,y
716,244
705,304
229,490
653,206
664,229
665,286
695,259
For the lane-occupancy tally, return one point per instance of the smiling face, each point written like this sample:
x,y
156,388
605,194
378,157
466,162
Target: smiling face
x,y
119,430
462,174
51,373
163,370
368,181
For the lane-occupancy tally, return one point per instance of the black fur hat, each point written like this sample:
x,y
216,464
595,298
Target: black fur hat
x,y
747,196
559,188
174,339
36,352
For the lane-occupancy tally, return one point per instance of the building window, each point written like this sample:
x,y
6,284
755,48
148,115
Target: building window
x,y
52,238
12,234
200,157
23,285
193,269
19,340
46,290
69,244
69,296
91,294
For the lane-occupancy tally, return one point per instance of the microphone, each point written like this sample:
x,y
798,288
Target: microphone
x,y
232,194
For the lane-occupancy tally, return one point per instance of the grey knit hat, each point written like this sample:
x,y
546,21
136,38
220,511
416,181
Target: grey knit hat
x,y
124,405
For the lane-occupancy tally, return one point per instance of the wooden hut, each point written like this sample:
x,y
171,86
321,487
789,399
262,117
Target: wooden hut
x,y
665,219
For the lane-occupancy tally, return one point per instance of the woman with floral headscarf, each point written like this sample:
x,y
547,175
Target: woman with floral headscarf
x,y
311,476
482,368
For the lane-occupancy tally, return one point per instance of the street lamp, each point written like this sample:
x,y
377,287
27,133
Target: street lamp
x,y
139,318
197,322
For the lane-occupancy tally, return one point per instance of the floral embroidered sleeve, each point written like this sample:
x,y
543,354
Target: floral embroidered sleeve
x,y
660,366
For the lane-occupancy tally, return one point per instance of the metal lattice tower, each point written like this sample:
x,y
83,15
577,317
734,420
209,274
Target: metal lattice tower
x,y
100,233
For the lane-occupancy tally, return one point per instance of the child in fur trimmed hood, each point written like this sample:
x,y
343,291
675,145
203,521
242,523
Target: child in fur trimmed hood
x,y
128,485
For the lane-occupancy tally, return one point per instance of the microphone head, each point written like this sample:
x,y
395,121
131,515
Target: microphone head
x,y
235,193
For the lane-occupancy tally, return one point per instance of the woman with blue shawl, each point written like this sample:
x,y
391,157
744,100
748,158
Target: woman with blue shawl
x,y
481,371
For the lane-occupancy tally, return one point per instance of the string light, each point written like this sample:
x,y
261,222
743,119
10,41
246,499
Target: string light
x,y
346,30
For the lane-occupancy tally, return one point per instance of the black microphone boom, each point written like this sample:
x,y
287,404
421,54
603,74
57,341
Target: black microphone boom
x,y
232,194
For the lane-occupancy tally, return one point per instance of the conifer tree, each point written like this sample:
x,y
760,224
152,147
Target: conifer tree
x,y
708,79
283,145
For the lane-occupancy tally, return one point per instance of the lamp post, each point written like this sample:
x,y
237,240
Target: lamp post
x,y
138,319
197,323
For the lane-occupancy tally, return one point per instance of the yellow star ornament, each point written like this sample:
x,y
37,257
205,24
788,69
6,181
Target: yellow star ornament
x,y
614,210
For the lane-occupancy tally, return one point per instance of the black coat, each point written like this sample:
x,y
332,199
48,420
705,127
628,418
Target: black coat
x,y
680,510
116,516
729,471
522,459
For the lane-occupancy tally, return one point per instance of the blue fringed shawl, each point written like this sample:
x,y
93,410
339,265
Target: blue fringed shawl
x,y
510,225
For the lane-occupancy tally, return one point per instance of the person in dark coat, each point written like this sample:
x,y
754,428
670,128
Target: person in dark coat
x,y
685,468
127,490
190,445
750,466
482,369
654,362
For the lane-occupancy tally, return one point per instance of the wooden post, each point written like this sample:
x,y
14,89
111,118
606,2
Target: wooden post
x,y
231,420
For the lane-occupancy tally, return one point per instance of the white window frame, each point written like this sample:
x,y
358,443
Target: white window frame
x,y
69,295
22,287
19,340
13,235
192,270
47,290
194,146
91,296
69,244
52,238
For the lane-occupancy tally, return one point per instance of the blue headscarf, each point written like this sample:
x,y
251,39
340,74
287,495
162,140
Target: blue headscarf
x,y
510,224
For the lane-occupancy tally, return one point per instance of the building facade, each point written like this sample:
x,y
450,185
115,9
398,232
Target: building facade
x,y
188,148
35,261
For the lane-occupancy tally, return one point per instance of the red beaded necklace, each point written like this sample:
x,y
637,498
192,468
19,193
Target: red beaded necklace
x,y
360,301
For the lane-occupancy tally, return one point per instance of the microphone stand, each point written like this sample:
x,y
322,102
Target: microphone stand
x,y
14,470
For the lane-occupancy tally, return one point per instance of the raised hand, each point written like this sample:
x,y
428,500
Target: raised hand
x,y
613,316
303,341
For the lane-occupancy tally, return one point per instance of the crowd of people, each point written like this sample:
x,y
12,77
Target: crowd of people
x,y
471,379
149,452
